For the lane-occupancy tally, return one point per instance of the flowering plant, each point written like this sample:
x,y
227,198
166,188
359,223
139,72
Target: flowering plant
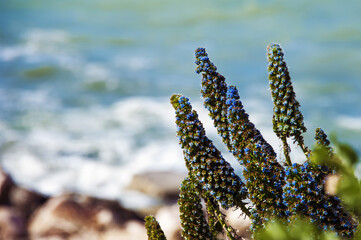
x,y
278,196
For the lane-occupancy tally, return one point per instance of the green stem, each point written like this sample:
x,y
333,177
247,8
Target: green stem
x,y
286,150
301,143
220,218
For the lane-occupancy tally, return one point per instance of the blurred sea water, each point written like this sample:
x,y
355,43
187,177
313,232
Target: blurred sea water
x,y
85,85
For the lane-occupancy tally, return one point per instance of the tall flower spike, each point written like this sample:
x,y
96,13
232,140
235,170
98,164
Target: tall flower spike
x,y
214,89
287,118
154,231
242,130
204,160
264,175
193,222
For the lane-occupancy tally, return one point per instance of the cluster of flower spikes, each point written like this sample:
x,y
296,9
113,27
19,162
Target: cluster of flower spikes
x,y
204,161
193,222
304,194
154,231
264,175
238,133
287,118
214,90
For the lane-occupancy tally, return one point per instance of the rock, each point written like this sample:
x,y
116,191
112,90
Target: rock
x,y
239,222
90,234
12,224
168,218
74,215
133,230
26,201
58,216
331,184
102,209
164,185
6,183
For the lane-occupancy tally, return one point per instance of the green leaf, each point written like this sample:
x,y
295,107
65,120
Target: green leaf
x,y
347,153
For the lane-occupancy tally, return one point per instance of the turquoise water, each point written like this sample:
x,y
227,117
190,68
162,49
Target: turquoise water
x,y
84,85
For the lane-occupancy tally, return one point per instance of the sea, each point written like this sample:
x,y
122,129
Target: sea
x,y
85,84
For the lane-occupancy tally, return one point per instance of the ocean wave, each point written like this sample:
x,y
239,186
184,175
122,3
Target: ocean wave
x,y
97,149
36,44
349,122
94,150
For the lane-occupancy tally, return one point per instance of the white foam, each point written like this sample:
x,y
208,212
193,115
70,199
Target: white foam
x,y
93,150
97,150
53,46
37,42
348,122
133,62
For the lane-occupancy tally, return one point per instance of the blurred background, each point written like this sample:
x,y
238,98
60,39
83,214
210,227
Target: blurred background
x,y
85,85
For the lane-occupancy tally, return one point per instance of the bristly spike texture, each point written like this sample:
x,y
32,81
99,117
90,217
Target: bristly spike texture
x,y
287,118
241,137
275,192
305,195
214,90
193,222
264,175
204,160
154,231
213,218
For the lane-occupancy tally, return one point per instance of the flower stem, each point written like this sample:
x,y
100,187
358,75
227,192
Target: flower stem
x,y
301,143
220,218
286,150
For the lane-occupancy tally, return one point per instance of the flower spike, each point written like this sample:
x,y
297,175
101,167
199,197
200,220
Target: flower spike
x,y
263,174
214,90
193,222
204,160
287,118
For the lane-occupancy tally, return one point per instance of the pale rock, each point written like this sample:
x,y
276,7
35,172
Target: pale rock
x,y
88,234
133,230
331,184
238,220
161,184
58,216
168,218
75,216
104,218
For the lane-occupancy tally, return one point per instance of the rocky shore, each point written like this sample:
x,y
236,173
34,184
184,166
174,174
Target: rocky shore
x,y
27,214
